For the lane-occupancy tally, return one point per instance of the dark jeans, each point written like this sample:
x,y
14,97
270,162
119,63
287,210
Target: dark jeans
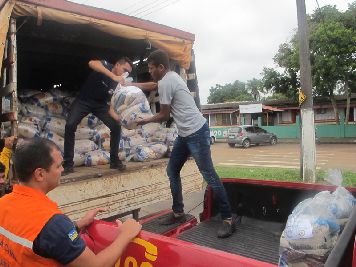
x,y
197,145
78,111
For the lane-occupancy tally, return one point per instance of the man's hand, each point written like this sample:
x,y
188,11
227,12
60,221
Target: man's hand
x,y
9,141
119,79
89,218
141,122
130,228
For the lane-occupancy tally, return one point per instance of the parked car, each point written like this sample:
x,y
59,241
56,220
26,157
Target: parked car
x,y
247,135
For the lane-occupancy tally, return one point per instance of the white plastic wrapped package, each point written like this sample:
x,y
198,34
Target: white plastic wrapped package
x,y
159,136
26,130
313,227
55,109
150,129
136,140
131,115
42,99
90,121
34,111
84,133
54,124
150,152
172,134
131,104
84,146
125,133
122,156
57,139
97,157
102,132
79,159
31,120
105,144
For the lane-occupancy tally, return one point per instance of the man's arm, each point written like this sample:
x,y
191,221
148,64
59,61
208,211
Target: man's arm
x,y
97,66
163,115
108,257
148,86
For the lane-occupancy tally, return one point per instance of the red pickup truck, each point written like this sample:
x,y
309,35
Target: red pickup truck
x,y
262,207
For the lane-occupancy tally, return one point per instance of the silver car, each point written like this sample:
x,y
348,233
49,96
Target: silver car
x,y
247,135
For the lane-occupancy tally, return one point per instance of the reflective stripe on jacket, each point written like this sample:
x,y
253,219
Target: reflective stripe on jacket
x,y
23,214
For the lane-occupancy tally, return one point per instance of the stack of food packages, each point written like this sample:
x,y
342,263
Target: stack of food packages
x,y
43,114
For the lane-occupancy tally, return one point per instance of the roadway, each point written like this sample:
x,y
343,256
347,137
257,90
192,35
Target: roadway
x,y
328,156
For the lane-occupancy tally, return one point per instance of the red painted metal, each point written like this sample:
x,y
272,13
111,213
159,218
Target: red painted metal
x,y
292,185
115,17
354,254
160,251
154,216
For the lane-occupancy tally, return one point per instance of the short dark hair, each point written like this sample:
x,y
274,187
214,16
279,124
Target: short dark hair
x,y
32,154
159,57
2,167
123,60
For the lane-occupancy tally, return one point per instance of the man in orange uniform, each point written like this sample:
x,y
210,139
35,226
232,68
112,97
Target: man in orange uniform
x,y
33,231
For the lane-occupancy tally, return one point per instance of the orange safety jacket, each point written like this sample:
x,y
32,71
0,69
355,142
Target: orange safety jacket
x,y
23,214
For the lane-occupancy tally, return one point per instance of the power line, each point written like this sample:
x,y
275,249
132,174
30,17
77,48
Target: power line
x,y
132,5
134,12
85,1
174,2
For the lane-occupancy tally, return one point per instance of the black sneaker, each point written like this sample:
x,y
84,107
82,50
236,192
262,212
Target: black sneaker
x,y
172,219
119,166
226,229
67,170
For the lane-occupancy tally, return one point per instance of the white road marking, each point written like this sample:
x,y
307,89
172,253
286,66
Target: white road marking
x,y
267,165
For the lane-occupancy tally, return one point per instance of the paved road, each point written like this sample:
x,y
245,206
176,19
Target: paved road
x,y
328,156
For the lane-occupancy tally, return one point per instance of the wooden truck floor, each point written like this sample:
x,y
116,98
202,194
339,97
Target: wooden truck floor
x,y
140,185
85,173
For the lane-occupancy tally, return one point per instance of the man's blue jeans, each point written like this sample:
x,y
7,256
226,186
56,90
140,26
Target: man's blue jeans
x,y
198,146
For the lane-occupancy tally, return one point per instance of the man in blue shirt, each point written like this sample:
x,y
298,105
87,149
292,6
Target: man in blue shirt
x,y
93,98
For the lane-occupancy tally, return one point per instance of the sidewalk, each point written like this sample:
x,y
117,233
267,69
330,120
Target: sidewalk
x,y
323,140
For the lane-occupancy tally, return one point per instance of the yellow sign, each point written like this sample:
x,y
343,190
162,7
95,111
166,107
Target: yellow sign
x,y
151,254
301,97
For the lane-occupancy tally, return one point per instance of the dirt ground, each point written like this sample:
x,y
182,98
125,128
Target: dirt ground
x,y
328,156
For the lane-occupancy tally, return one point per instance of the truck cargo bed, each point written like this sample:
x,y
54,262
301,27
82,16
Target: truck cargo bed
x,y
253,238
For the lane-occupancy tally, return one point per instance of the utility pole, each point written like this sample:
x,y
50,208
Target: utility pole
x,y
308,160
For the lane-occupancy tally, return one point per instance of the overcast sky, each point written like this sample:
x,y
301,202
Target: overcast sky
x,y
234,39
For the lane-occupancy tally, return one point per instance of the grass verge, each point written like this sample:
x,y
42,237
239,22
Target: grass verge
x,y
291,175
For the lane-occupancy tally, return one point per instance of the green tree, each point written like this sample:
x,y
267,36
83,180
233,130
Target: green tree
x,y
255,88
333,57
229,92
333,50
279,83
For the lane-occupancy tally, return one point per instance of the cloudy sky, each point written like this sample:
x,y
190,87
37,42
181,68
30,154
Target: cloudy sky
x,y
234,39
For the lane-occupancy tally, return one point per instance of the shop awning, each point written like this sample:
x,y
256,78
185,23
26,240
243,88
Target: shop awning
x,y
220,111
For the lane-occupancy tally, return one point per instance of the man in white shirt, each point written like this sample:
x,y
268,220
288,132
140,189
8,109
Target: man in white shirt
x,y
193,139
